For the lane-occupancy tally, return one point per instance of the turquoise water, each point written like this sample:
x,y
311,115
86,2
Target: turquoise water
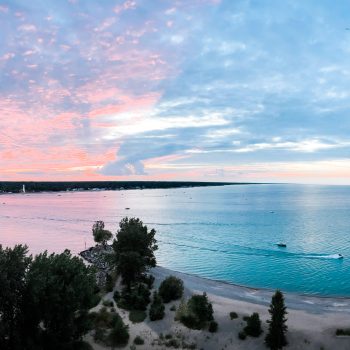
x,y
225,233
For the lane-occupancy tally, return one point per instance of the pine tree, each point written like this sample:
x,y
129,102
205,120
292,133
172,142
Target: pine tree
x,y
276,337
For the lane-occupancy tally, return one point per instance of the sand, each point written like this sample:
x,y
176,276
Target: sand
x,y
312,321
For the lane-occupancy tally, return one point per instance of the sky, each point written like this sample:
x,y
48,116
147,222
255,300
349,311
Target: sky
x,y
202,90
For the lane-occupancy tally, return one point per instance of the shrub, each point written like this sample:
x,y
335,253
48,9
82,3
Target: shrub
x,y
173,308
102,319
172,343
171,289
245,318
196,313
138,340
138,297
233,315
213,326
253,327
341,331
156,311
100,335
119,335
137,316
242,335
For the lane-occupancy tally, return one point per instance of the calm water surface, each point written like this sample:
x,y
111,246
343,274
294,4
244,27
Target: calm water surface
x,y
226,233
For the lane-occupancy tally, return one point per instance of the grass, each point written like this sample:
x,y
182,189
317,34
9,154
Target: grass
x,y
233,315
341,331
137,316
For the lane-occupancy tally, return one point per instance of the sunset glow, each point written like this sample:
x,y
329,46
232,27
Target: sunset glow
x,y
203,90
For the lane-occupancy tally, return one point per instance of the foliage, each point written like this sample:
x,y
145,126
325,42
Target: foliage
x,y
138,340
148,280
100,234
197,313
233,315
213,326
341,331
119,335
242,335
109,283
137,316
39,186
171,289
172,343
58,286
253,327
13,267
157,308
134,249
109,327
137,297
276,336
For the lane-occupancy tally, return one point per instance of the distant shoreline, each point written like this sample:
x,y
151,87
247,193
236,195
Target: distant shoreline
x,y
8,187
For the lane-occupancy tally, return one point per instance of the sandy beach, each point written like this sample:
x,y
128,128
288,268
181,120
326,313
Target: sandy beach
x,y
312,321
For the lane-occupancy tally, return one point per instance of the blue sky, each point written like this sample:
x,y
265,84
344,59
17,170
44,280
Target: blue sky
x,y
185,90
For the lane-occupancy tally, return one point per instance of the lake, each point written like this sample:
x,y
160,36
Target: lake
x,y
226,233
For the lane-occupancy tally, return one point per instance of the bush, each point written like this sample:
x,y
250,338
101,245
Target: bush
x,y
173,308
341,331
253,327
213,327
119,335
104,319
172,343
245,318
242,335
137,316
139,341
233,315
137,298
156,311
171,289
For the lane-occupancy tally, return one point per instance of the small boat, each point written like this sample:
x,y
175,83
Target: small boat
x,y
340,256
281,245
127,208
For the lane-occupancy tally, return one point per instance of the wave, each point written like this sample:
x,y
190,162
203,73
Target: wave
x,y
249,251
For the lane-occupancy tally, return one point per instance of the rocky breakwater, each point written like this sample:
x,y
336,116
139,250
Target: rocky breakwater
x,y
98,257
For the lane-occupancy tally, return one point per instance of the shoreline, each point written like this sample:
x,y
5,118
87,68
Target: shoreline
x,y
258,296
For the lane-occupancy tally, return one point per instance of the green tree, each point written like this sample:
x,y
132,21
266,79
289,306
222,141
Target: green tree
x,y
171,289
276,336
134,249
60,289
13,267
100,234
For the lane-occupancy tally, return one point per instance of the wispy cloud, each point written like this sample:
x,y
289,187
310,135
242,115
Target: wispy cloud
x,y
201,89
